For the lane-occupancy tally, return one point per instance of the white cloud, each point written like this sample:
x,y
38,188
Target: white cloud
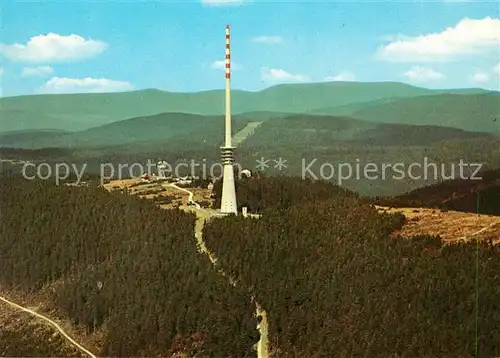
x,y
221,65
392,38
496,68
342,77
423,74
480,77
218,65
37,71
467,37
268,39
80,85
279,75
223,2
53,48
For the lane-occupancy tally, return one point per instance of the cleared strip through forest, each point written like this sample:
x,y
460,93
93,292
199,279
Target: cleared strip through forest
x,y
51,322
246,132
202,216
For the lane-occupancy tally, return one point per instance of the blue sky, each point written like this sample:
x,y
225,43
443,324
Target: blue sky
x,y
95,46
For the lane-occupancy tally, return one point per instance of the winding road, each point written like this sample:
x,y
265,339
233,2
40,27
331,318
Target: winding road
x,y
262,346
52,323
202,216
190,198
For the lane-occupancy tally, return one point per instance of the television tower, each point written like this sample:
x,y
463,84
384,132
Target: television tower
x,y
228,200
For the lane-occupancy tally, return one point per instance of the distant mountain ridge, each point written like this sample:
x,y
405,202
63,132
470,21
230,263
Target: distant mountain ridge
x,y
277,130
153,129
472,112
76,112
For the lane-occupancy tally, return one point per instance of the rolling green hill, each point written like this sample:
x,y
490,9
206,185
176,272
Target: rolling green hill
x,y
74,112
277,131
349,109
318,131
191,128
301,98
20,138
474,112
388,134
19,119
329,141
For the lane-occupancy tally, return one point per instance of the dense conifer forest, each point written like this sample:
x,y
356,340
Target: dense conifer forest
x,y
482,195
325,265
294,150
260,192
159,296
336,283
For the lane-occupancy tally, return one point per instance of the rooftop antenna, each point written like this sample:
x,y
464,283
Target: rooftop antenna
x,y
228,200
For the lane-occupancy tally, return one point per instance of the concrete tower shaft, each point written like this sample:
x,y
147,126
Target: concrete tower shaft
x,y
228,200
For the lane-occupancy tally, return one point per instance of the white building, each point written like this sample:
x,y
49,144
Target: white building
x,y
162,169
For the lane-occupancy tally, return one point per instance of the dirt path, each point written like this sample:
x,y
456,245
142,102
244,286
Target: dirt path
x,y
262,327
263,343
191,195
52,323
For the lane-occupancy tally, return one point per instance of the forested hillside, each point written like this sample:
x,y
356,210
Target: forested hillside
x,y
85,110
328,269
335,283
191,129
158,295
477,196
472,112
275,193
298,154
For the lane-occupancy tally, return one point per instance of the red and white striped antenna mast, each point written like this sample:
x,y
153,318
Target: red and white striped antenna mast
x,y
228,87
228,199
